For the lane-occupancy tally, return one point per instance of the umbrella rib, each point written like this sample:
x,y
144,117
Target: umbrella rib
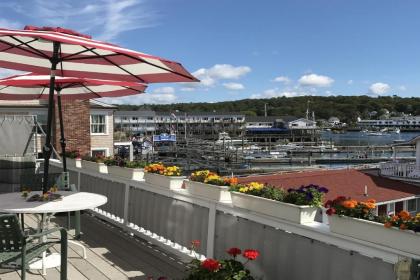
x,y
163,68
90,90
42,92
110,61
73,54
32,48
91,57
11,46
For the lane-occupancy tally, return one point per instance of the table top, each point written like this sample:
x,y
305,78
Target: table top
x,y
72,201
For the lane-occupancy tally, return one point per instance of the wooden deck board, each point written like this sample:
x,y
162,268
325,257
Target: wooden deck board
x,y
111,254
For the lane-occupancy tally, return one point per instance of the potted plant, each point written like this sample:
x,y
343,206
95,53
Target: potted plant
x,y
207,184
356,219
132,170
168,177
296,205
95,164
73,159
231,268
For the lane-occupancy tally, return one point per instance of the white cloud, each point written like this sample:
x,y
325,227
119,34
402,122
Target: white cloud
x,y
210,76
276,92
379,88
106,19
164,90
350,82
314,80
402,88
234,86
282,79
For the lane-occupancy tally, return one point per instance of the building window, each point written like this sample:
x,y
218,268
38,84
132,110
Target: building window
x,y
99,153
411,205
97,124
391,208
382,210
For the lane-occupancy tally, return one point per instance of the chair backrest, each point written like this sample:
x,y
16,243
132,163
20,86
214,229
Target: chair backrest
x,y
11,235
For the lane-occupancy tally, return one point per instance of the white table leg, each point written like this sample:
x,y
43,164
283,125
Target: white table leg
x,y
46,261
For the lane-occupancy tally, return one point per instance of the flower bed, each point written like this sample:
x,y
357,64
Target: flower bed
x,y
356,219
297,205
232,268
94,164
125,169
375,232
168,177
210,185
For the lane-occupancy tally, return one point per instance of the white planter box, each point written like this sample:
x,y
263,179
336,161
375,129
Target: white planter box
x,y
295,213
136,174
73,163
407,241
168,182
212,192
93,166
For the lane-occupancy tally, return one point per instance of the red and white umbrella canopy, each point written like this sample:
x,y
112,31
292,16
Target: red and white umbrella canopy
x,y
28,87
80,56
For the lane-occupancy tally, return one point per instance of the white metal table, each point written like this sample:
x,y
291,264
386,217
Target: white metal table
x,y
71,201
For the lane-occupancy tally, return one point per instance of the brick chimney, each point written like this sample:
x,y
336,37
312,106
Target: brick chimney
x,y
76,118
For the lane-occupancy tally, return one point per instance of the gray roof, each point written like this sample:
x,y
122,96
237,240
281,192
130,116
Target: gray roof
x,y
270,118
139,113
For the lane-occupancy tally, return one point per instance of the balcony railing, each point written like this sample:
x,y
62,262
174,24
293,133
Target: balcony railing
x,y
402,170
173,218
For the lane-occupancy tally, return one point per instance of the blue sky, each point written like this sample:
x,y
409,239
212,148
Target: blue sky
x,y
249,49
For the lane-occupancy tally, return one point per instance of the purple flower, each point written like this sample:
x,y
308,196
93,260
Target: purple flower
x,y
323,190
309,196
290,190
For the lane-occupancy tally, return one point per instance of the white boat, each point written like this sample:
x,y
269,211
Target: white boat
x,y
288,147
375,133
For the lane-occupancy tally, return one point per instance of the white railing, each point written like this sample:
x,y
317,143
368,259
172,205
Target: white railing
x,y
172,218
396,169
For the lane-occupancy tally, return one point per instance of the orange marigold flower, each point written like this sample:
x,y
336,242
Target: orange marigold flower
x,y
404,215
403,226
388,224
349,204
371,201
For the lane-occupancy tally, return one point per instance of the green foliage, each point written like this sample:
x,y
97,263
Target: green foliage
x,y
346,108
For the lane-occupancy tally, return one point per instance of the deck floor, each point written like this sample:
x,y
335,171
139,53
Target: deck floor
x,y
111,254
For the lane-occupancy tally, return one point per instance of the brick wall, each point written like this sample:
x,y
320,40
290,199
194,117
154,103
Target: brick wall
x,y
76,117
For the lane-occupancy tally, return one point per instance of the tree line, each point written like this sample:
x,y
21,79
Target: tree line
x,y
346,108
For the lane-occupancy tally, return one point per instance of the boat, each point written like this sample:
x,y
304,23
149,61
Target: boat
x,y
375,133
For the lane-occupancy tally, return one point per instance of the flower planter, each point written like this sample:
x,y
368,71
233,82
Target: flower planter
x,y
74,163
300,214
94,166
168,182
212,192
407,241
136,174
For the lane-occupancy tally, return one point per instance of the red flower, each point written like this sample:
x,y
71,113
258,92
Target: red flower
x,y
330,211
210,264
195,243
234,251
328,204
251,254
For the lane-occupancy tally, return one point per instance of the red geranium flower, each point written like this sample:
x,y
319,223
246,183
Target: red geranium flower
x,y
251,254
330,211
195,243
211,265
234,251
328,204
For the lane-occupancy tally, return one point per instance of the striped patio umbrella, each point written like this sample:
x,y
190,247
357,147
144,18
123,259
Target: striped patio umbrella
x,y
63,52
32,86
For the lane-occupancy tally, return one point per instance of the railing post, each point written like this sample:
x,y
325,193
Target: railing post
x,y
126,199
211,230
78,181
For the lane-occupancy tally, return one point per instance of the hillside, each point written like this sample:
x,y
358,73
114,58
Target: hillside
x,y
346,108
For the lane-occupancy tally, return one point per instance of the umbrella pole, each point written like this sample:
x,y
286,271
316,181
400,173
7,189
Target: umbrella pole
x,y
47,149
62,140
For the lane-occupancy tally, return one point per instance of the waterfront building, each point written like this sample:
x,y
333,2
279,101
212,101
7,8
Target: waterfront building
x,y
89,124
404,123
